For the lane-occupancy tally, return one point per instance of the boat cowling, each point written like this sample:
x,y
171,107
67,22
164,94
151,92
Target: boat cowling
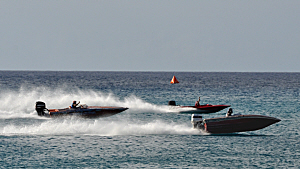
x,y
172,103
40,107
196,120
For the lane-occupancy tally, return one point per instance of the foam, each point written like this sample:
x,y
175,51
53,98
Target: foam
x,y
21,104
16,104
98,127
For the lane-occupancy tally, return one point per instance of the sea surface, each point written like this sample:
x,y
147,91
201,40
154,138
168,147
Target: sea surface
x,y
147,135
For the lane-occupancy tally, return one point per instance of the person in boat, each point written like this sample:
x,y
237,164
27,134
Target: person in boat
x,y
197,102
229,112
74,105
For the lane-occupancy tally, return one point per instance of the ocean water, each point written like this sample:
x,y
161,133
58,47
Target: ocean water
x,y
147,135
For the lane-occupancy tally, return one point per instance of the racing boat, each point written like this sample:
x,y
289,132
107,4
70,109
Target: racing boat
x,y
203,109
82,111
232,124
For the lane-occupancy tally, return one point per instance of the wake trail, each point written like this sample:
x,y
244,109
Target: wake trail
x,y
99,127
21,104
19,117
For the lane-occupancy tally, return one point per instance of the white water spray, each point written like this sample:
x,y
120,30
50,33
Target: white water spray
x,y
21,104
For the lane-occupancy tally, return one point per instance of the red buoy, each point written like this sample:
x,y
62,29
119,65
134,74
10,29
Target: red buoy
x,y
174,80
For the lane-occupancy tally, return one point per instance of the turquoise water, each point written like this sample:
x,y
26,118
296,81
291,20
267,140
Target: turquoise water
x,y
146,135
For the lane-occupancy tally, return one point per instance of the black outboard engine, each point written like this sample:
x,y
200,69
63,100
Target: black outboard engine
x,y
172,103
40,107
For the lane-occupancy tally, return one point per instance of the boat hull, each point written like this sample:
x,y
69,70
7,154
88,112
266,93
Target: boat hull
x,y
203,109
238,123
89,112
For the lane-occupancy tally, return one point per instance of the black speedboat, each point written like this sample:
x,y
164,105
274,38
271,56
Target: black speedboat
x,y
232,124
82,111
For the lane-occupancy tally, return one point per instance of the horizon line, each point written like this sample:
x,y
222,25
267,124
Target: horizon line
x,y
151,71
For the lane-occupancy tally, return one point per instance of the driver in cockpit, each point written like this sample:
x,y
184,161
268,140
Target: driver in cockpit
x,y
229,113
74,105
197,102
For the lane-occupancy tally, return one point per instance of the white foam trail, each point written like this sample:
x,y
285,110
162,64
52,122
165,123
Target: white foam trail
x,y
99,127
178,109
20,104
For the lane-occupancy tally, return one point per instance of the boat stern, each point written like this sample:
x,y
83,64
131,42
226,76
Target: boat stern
x,y
197,121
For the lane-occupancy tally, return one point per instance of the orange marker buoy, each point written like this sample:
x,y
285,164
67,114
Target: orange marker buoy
x,y
174,80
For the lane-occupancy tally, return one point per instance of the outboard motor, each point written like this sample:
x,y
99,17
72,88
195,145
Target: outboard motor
x,y
196,120
40,107
172,103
